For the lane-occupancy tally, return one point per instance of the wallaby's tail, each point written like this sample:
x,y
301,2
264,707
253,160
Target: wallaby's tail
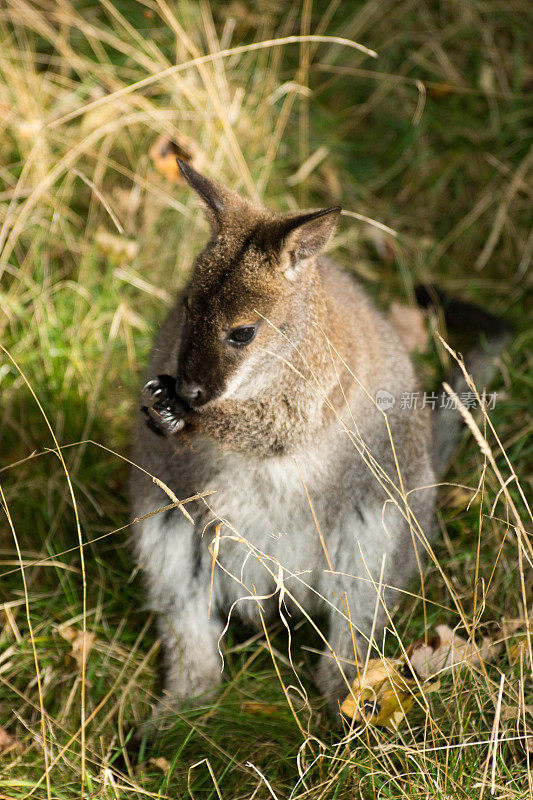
x,y
493,335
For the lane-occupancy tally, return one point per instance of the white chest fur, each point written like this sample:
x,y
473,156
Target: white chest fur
x,y
267,518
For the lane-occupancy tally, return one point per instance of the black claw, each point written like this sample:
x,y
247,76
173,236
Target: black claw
x,y
155,390
152,424
163,409
162,386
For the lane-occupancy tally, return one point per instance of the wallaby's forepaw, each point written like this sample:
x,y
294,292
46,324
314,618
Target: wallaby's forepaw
x,y
164,411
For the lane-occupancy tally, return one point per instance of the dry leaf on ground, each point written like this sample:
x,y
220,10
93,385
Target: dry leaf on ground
x,y
160,762
381,695
438,90
515,712
385,692
258,709
164,152
76,639
518,649
446,650
8,742
410,326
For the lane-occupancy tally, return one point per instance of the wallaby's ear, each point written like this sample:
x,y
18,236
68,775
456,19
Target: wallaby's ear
x,y
212,193
306,235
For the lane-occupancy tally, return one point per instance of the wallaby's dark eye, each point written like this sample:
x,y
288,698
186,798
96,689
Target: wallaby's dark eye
x,y
185,303
243,335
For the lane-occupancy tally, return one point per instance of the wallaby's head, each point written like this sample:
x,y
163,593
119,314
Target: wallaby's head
x,y
255,275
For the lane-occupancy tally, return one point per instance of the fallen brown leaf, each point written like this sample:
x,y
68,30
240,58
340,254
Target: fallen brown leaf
x,y
518,649
439,90
381,695
160,762
446,650
76,639
515,712
385,692
164,152
8,742
253,707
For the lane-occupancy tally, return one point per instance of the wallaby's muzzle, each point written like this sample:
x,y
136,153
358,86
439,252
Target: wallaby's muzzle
x,y
194,394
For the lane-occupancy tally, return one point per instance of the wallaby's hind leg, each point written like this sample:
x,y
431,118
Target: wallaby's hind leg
x,y
376,555
364,564
349,643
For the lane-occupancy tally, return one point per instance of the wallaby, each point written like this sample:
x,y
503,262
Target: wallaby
x,y
264,387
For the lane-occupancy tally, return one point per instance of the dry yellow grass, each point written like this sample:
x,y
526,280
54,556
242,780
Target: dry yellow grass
x,y
430,141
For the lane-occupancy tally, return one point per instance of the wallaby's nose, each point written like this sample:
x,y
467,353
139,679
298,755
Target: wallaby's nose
x,y
193,393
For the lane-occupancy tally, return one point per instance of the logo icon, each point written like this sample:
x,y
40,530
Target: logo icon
x,y
384,400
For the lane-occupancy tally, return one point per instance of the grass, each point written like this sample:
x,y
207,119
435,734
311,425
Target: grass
x,y
433,139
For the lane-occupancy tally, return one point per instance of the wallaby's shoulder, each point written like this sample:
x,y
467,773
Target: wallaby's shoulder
x,y
365,329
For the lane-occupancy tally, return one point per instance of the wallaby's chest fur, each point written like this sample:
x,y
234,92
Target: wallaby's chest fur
x,y
310,480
